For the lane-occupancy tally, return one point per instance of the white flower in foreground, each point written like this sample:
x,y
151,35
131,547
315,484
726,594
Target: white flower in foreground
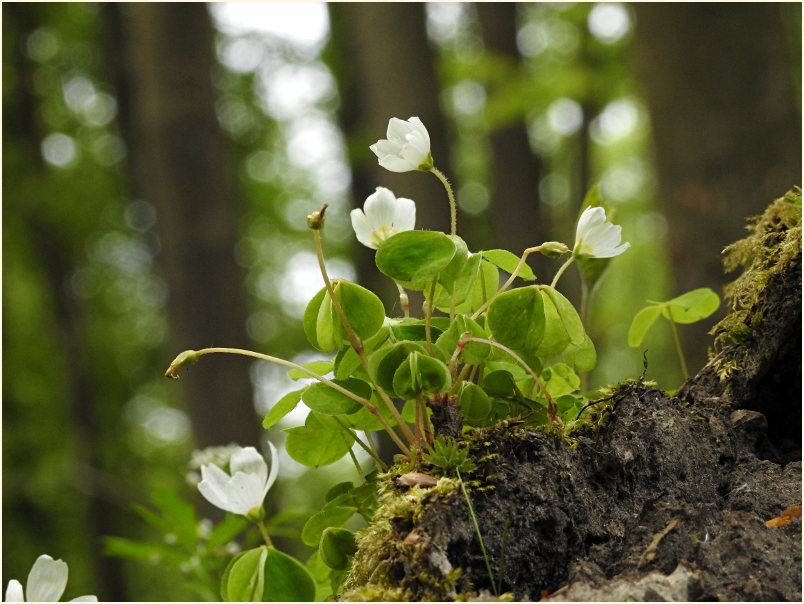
x,y
596,237
46,583
406,148
382,215
244,490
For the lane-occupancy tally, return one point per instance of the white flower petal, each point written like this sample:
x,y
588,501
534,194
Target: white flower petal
x,y
214,486
383,215
596,237
14,592
362,228
274,468
406,148
392,163
405,215
85,599
397,130
380,208
47,579
249,461
245,493
421,130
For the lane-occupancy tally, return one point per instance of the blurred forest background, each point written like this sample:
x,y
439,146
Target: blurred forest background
x,y
159,160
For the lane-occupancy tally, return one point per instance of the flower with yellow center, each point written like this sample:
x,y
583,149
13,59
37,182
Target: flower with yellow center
x,y
382,216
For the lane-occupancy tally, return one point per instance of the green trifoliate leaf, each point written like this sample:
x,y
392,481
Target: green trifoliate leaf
x,y
384,362
473,352
420,374
508,262
567,314
516,319
319,367
556,339
244,577
330,516
475,404
500,383
281,408
560,379
452,272
582,357
320,442
322,324
324,399
642,323
415,256
338,545
286,579
692,306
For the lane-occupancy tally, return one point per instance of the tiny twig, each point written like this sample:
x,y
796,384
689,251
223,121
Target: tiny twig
x,y
650,553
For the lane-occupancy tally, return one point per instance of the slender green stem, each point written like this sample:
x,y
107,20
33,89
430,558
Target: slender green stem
x,y
552,408
453,208
352,453
428,315
477,530
376,455
363,446
585,297
264,533
355,340
419,422
510,280
502,553
677,340
366,403
561,271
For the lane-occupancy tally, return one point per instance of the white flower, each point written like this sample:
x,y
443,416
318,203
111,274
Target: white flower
x,y
244,490
406,148
596,237
46,583
382,215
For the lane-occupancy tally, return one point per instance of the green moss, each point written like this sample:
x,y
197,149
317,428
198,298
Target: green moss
x,y
381,543
774,239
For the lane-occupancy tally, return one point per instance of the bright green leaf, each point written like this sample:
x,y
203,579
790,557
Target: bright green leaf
x,y
641,323
508,262
316,445
338,545
516,319
244,577
568,315
692,306
329,516
582,357
286,579
319,367
451,273
384,362
413,256
322,398
281,408
475,404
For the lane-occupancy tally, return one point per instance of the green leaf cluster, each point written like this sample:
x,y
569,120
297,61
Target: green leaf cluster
x,y
690,307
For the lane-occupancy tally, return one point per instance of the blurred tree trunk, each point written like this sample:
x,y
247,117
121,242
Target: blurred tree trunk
x,y
516,213
165,63
385,67
726,126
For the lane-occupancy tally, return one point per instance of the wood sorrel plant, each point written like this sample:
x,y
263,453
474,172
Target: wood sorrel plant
x,y
491,351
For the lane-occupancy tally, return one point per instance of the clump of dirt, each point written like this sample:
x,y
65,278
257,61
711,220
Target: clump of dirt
x,y
667,499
